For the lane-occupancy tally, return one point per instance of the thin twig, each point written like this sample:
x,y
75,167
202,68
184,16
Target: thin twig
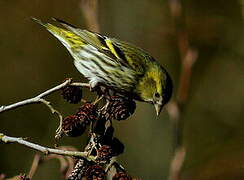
x,y
36,99
54,111
87,85
110,164
45,150
114,167
39,98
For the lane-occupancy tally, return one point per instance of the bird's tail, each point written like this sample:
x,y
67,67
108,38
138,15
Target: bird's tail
x,y
68,38
48,26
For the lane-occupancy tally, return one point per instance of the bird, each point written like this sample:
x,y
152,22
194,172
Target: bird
x,y
114,63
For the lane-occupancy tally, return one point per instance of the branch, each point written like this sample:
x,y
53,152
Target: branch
x,y
45,150
36,99
39,98
188,57
102,148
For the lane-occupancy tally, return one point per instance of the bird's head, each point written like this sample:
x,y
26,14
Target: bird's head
x,y
156,87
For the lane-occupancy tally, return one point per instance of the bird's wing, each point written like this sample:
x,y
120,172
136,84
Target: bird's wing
x,y
122,52
101,59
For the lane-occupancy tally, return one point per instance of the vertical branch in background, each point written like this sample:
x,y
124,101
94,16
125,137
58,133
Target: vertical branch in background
x,y
188,56
89,8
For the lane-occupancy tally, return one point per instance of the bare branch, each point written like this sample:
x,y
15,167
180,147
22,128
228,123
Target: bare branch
x,y
39,98
188,57
59,131
56,88
35,99
87,85
45,150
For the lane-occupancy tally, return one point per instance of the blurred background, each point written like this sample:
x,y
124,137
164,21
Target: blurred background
x,y
213,133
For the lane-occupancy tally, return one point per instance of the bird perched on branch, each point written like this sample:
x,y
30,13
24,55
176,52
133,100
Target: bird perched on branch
x,y
116,64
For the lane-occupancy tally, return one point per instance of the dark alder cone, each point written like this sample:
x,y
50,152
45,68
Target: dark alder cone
x,y
117,146
107,139
108,135
120,108
72,94
105,91
95,172
87,112
105,153
73,126
99,125
79,170
121,176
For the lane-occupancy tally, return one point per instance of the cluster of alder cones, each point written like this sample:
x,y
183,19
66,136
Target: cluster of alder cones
x,y
97,121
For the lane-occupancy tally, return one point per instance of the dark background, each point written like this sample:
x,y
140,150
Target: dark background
x,y
33,61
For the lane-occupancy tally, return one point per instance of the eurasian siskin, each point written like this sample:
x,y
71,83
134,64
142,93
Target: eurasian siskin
x,y
116,64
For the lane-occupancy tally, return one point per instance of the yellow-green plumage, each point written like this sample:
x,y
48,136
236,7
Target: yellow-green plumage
x,y
115,64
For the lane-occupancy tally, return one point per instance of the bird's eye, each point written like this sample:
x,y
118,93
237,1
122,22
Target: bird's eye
x,y
156,94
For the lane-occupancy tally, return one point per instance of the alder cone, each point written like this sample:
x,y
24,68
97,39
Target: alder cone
x,y
73,126
95,172
72,94
79,170
121,176
120,108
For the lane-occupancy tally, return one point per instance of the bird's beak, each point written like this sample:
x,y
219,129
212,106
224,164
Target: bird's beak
x,y
158,108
